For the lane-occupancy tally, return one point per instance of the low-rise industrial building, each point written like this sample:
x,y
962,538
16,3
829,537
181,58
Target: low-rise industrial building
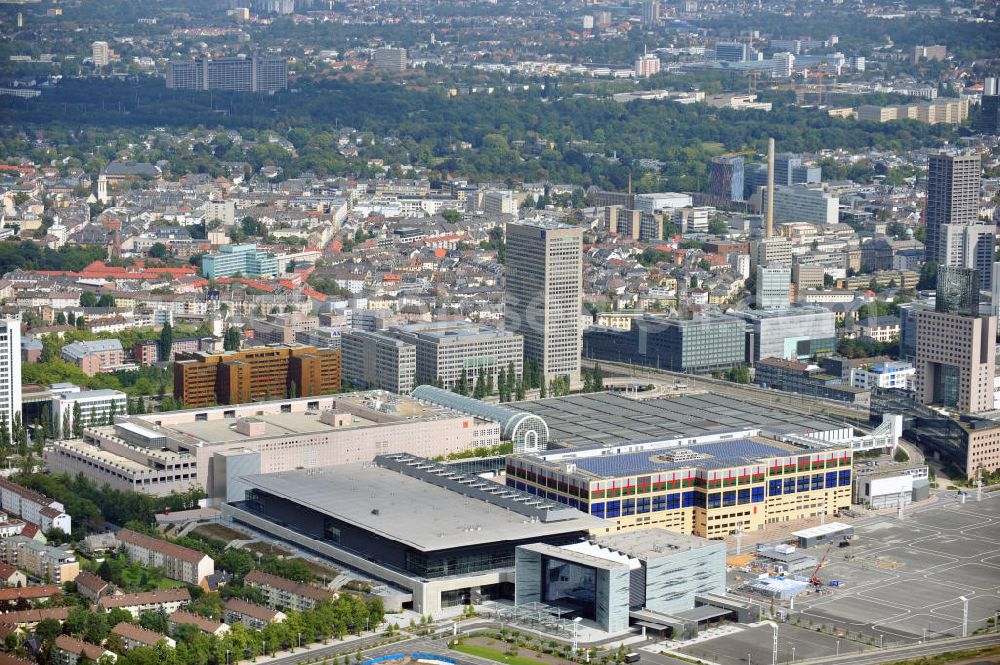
x,y
605,579
207,448
440,537
890,484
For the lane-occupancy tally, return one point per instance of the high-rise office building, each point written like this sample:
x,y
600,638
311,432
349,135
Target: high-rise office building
x,y
240,74
378,360
390,59
953,183
277,371
731,52
783,65
10,370
727,177
543,294
956,291
650,13
444,349
774,284
100,53
955,359
969,246
989,117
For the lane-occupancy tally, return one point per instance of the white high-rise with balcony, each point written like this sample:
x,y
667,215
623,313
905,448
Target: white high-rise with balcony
x,y
10,370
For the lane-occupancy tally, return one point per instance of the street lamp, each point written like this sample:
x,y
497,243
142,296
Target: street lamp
x,y
793,653
838,647
965,616
576,628
774,644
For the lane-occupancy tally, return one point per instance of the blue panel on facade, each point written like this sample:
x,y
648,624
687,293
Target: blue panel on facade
x,y
673,501
696,499
613,509
743,496
831,478
659,503
520,486
628,507
642,505
774,487
845,478
803,484
597,509
729,498
757,494
817,481
789,486
715,500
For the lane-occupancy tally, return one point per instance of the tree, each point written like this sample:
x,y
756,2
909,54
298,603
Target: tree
x,y
462,387
502,384
293,390
88,299
451,216
60,319
106,300
77,420
231,341
717,226
166,341
541,389
598,378
48,630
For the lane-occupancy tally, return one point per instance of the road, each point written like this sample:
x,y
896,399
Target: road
x,y
915,651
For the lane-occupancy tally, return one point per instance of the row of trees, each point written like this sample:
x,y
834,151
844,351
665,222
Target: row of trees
x,y
92,507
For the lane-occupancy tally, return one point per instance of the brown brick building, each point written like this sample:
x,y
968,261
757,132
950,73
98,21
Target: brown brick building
x,y
234,377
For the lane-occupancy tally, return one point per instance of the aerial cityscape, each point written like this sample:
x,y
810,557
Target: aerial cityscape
x,y
499,332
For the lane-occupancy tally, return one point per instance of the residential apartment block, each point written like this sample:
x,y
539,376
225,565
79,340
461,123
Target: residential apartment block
x,y
33,507
104,355
178,563
251,615
162,600
282,593
40,560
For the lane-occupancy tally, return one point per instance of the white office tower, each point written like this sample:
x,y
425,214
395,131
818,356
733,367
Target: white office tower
x,y
774,287
543,294
100,54
784,64
10,370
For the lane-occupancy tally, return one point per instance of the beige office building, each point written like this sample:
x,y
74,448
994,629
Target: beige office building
x,y
543,294
955,360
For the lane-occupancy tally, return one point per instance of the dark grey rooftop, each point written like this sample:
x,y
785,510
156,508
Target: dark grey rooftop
x,y
604,418
411,510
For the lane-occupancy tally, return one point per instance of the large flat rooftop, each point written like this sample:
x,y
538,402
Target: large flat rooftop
x,y
721,455
605,418
409,510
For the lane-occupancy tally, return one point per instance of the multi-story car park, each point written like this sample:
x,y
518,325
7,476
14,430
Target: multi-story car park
x,y
708,486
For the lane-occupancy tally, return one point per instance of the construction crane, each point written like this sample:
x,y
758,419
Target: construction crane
x,y
814,578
